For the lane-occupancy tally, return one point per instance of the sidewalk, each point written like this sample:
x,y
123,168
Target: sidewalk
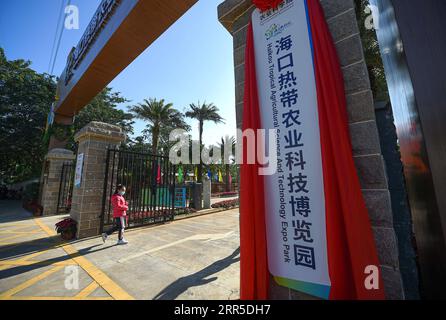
x,y
196,258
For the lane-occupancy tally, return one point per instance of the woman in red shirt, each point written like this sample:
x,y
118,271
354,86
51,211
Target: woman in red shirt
x,y
120,207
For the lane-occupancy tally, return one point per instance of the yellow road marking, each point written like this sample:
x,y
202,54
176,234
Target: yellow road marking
x,y
9,245
36,254
20,232
16,224
8,294
33,255
17,229
11,237
60,298
37,263
88,290
101,278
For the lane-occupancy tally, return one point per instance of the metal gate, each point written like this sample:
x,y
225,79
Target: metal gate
x,y
65,188
150,184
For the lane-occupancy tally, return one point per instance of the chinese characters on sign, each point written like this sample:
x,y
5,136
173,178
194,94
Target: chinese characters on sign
x,y
297,181
295,207
180,197
78,172
100,18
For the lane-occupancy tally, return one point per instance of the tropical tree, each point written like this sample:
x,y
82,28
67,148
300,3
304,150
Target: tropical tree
x,y
25,100
103,108
202,113
372,53
227,145
162,118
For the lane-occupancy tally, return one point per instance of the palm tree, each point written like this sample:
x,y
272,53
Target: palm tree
x,y
227,142
161,117
202,113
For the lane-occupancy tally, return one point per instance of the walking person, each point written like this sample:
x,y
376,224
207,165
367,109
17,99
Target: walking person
x,y
120,207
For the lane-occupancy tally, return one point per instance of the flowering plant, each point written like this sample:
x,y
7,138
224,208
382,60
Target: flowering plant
x,y
228,204
67,228
264,5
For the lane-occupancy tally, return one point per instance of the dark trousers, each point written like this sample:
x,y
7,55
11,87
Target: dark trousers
x,y
119,226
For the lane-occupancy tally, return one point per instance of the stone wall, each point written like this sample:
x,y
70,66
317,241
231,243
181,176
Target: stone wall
x,y
341,18
54,160
402,219
94,141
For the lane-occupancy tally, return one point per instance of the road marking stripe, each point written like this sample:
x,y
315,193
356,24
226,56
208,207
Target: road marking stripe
x,y
17,224
101,278
33,255
60,298
11,237
36,263
19,232
8,294
88,290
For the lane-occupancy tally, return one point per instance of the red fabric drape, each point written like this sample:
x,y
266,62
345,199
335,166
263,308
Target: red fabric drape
x,y
350,240
264,5
254,274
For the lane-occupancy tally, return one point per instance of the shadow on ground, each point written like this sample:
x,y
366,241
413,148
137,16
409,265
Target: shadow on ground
x,y
175,289
12,211
38,245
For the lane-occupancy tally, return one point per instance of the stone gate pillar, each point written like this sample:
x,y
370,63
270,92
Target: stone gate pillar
x,y
94,140
54,161
341,18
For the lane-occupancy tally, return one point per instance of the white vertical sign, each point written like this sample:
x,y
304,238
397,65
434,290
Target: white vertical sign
x,y
78,172
294,196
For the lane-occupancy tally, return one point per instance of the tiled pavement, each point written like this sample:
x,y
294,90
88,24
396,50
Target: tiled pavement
x,y
195,258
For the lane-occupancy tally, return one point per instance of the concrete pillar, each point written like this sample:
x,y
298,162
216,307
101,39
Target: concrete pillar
x,y
94,140
341,18
51,178
197,196
207,184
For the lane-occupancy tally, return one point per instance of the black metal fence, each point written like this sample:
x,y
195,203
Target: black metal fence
x,y
150,184
186,195
65,188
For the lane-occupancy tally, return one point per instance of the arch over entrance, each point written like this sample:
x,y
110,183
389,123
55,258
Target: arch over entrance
x,y
122,30
118,33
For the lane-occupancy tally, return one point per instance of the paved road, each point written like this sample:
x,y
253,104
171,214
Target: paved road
x,y
195,258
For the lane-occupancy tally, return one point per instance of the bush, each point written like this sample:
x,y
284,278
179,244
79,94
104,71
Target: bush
x,y
228,204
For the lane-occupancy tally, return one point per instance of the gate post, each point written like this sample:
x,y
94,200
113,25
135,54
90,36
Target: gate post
x,y
94,141
51,178
207,187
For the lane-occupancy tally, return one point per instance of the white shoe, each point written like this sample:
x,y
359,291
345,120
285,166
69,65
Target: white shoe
x,y
104,237
122,241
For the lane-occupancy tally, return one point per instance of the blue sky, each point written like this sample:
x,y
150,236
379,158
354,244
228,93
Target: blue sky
x,y
191,61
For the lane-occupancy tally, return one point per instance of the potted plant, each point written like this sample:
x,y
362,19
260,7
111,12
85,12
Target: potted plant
x,y
67,228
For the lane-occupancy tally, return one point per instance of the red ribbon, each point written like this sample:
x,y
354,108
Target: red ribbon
x,y
264,5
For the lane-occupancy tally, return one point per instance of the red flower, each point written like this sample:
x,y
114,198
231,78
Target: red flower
x,y
264,5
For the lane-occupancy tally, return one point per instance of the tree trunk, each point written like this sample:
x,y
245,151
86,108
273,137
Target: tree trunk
x,y
200,166
155,137
228,186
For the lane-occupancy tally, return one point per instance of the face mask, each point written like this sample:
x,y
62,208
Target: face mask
x,y
122,193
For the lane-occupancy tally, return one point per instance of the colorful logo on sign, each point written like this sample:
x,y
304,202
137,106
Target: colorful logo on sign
x,y
275,30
